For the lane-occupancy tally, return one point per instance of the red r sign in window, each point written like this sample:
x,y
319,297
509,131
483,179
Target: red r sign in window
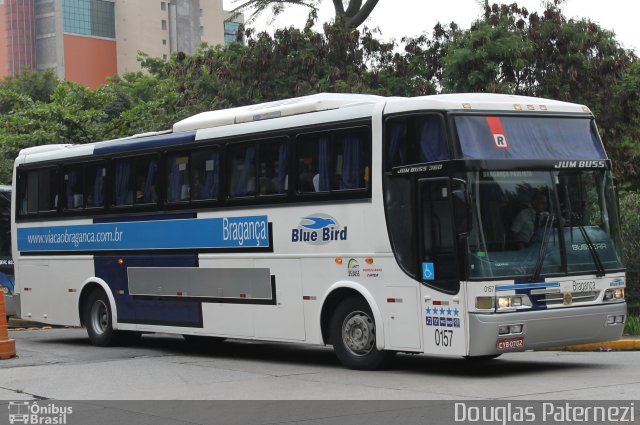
x,y
495,125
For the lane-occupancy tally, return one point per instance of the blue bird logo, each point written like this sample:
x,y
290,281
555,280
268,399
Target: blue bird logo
x,y
315,223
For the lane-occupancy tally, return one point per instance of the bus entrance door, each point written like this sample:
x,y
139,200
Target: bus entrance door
x,y
442,300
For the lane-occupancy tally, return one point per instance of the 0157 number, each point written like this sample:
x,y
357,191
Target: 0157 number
x,y
444,337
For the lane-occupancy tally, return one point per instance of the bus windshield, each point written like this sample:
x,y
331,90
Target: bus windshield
x,y
537,223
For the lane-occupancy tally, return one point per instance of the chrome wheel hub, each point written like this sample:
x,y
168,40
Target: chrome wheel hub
x,y
99,317
358,333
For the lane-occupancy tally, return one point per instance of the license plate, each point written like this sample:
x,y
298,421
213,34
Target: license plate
x,y
505,344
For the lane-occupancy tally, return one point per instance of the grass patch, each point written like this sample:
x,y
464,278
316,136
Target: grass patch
x,y
632,326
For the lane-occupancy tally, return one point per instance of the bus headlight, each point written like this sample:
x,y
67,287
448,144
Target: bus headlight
x,y
504,302
5,290
484,303
513,302
616,294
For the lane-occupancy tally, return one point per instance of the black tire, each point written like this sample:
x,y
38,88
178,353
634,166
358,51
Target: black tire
x,y
353,335
97,318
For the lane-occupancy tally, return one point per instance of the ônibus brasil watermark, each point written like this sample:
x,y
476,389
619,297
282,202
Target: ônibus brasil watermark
x,y
38,413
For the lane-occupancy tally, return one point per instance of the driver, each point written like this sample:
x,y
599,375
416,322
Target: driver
x,y
529,219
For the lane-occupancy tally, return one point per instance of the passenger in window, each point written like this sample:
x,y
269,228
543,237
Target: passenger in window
x,y
529,219
140,185
197,190
305,179
266,185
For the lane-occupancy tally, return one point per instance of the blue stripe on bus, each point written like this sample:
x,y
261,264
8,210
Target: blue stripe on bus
x,y
161,312
224,233
149,142
528,286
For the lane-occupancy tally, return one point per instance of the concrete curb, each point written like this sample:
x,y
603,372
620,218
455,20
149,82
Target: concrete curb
x,y
627,344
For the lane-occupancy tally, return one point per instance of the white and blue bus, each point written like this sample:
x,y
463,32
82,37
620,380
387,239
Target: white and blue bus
x,y
463,225
7,280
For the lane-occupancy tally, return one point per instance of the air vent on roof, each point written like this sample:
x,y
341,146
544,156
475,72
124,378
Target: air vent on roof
x,y
270,110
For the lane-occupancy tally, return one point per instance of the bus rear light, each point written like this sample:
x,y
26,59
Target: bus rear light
x,y
338,260
120,261
368,260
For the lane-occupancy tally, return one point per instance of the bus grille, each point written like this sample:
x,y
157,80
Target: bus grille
x,y
557,298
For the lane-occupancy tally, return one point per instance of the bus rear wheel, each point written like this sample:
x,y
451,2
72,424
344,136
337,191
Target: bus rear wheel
x,y
97,318
353,335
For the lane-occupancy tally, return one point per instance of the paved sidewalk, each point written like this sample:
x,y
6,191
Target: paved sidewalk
x,y
631,343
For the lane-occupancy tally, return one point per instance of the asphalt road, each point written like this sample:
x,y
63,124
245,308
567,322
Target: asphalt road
x,y
61,364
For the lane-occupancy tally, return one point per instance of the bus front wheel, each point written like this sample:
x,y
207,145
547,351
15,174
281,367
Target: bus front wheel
x,y
353,335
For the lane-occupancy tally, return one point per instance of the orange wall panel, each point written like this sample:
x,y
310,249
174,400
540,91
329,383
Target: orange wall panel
x,y
89,61
4,60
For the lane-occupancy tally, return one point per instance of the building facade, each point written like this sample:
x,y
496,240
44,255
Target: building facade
x,y
88,41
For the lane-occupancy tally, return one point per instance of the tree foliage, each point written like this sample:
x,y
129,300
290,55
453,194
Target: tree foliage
x,y
508,50
349,16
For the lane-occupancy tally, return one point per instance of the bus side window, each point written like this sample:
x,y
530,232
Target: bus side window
x,y
334,161
273,179
349,160
243,173
415,139
310,148
177,178
94,182
38,191
123,178
146,180
73,178
205,177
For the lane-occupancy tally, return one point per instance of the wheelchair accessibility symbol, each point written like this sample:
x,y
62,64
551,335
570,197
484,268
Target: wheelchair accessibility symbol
x,y
427,271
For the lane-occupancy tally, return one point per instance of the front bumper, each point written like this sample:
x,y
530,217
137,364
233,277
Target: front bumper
x,y
546,328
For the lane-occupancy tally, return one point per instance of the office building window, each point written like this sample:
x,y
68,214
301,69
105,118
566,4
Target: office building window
x,y
163,5
164,42
164,24
89,17
231,32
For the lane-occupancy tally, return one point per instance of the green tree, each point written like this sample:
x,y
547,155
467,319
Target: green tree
x,y
350,15
74,115
34,84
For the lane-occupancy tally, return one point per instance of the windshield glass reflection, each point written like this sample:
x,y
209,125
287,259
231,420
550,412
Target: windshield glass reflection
x,y
528,223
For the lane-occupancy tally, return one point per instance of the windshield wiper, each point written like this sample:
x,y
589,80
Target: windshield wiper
x,y
592,249
543,249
